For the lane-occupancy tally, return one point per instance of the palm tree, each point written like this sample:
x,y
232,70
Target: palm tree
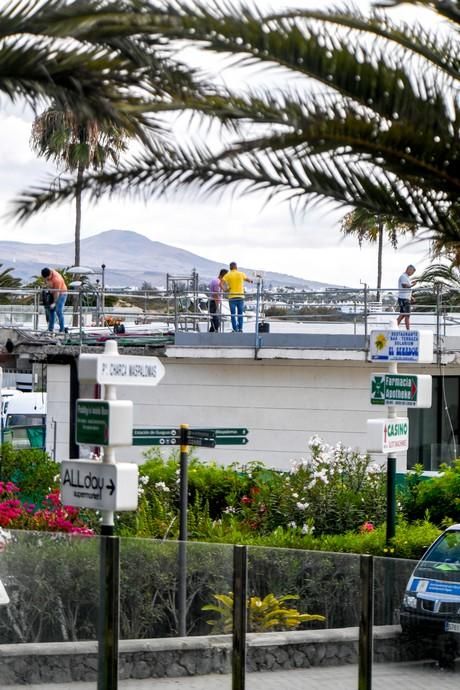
x,y
439,278
86,74
99,59
77,144
372,227
367,114
7,281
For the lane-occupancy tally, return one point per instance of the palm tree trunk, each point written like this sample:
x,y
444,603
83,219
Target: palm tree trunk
x,y
379,259
78,213
80,170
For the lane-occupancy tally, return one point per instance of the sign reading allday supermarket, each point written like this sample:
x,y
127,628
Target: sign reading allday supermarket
x,y
401,346
388,435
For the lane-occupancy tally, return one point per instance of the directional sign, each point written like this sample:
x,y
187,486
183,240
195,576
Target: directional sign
x,y
159,431
232,440
165,436
120,370
405,390
388,435
201,437
104,422
98,485
401,346
201,442
225,431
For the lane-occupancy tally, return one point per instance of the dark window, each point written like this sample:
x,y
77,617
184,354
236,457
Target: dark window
x,y
434,433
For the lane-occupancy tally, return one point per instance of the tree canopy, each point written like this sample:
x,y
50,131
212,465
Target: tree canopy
x,y
365,113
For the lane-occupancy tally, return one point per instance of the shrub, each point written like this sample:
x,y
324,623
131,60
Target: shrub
x,y
31,469
264,615
411,539
437,498
50,515
336,490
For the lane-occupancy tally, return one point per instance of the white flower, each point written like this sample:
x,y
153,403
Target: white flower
x,y
162,487
295,495
292,524
307,529
230,510
144,479
302,506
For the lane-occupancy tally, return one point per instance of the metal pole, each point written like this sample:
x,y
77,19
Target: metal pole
x,y
365,310
257,336
391,498
438,323
80,312
391,475
240,612
102,294
109,620
182,591
36,310
109,610
366,622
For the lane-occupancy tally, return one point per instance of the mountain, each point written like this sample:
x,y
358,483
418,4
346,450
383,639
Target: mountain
x,y
130,260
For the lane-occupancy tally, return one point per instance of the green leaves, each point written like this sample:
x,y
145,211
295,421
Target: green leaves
x,y
264,614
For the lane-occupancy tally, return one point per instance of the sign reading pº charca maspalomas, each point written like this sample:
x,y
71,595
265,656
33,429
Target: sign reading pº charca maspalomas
x,y
120,370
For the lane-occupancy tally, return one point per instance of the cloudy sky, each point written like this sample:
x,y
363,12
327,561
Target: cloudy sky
x,y
265,237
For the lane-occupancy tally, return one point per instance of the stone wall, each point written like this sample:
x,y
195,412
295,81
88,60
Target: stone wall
x,y
62,662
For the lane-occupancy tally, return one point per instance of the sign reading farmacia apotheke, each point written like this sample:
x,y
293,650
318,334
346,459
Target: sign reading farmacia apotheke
x,y
401,346
403,390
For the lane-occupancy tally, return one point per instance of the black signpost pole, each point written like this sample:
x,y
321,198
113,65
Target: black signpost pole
x,y
182,590
109,585
391,499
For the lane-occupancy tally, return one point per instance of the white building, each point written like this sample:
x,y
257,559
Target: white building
x,y
283,388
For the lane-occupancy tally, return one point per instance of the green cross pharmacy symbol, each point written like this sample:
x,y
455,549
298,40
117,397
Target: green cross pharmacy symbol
x,y
378,388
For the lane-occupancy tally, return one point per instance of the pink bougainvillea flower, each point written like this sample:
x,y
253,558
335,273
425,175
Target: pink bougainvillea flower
x,y
367,527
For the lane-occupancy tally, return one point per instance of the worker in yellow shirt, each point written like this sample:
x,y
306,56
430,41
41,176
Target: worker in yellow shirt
x,y
233,283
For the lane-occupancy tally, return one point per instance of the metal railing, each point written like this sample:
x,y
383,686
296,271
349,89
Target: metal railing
x,y
338,310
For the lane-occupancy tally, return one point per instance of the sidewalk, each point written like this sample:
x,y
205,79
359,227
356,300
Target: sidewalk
x,y
416,676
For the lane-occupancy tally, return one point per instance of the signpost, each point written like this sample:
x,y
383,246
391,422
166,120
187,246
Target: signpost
x,y
104,422
108,486
401,346
100,486
389,435
126,370
166,436
404,390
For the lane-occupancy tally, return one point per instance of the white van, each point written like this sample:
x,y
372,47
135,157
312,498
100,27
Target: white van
x,y
7,394
27,409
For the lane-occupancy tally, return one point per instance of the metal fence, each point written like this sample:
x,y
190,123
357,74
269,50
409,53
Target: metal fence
x,y
280,310
52,585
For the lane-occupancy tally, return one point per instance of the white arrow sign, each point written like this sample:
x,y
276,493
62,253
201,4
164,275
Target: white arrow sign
x,y
120,370
388,435
102,486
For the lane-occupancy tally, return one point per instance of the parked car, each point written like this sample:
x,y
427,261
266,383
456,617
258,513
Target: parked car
x,y
431,603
